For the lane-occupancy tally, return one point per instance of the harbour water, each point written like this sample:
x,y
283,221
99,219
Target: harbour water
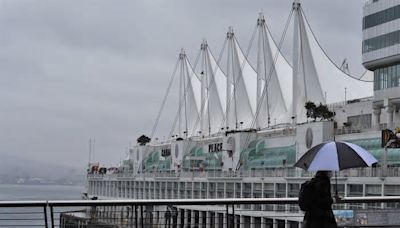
x,y
33,217
40,192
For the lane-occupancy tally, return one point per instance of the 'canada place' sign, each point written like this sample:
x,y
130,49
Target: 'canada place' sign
x,y
216,147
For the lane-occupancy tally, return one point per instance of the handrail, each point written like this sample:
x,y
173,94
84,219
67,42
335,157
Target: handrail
x,y
28,203
134,207
228,201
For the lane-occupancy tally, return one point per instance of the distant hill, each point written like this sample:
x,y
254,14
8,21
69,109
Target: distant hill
x,y
13,168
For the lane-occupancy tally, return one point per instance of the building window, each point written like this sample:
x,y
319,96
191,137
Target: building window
x,y
381,17
362,121
355,190
382,41
373,190
387,77
392,190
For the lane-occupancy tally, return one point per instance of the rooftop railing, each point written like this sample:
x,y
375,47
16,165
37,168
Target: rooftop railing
x,y
191,213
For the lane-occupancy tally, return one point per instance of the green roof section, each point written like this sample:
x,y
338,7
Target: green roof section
x,y
154,162
257,156
194,159
368,144
213,161
373,145
165,165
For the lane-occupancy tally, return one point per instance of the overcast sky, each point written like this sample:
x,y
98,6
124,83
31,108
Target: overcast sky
x,y
72,70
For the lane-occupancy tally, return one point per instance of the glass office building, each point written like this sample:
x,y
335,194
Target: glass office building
x,y
381,54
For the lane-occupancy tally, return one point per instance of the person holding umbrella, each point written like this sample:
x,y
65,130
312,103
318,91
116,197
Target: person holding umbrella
x,y
324,158
319,212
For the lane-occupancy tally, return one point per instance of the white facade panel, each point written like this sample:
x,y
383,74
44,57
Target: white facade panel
x,y
381,29
381,53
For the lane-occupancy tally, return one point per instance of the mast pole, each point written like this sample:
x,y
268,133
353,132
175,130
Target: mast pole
x,y
229,82
203,74
296,61
185,76
260,62
181,96
208,83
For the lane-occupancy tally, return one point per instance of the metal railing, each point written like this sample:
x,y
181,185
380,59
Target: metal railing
x,y
344,130
270,172
191,213
23,214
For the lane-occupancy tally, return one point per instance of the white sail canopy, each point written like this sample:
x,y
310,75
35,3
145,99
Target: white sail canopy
x,y
273,94
241,88
316,77
190,99
274,80
213,92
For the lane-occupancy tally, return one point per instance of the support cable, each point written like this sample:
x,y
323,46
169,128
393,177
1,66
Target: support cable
x,y
363,75
319,45
164,99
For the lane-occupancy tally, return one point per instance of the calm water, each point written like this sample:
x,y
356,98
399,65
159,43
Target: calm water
x,y
40,192
33,217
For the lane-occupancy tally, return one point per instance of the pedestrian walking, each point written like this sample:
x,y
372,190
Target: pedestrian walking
x,y
168,218
315,199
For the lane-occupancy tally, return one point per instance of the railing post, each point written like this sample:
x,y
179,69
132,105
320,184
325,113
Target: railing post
x,y
141,216
227,216
131,218
45,216
233,215
51,217
136,218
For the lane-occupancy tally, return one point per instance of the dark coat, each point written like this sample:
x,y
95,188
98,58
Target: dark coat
x,y
320,215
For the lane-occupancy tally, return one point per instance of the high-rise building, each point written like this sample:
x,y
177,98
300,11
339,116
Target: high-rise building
x,y
381,54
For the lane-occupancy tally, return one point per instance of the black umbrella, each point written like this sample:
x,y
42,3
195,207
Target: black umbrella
x,y
335,156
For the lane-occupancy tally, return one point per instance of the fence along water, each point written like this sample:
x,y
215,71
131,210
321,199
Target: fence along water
x,y
193,213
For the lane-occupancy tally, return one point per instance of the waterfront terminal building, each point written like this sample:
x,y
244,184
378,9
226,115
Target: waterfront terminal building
x,y
242,125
